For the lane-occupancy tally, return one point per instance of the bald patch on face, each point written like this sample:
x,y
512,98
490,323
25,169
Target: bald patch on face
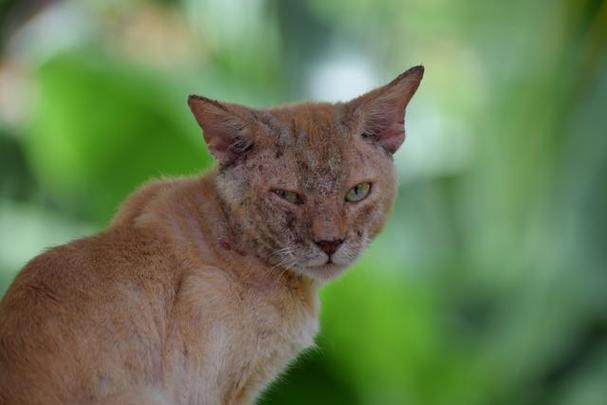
x,y
317,142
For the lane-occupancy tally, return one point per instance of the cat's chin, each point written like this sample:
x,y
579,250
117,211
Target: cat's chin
x,y
323,272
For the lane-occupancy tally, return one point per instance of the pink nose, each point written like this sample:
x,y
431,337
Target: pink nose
x,y
329,246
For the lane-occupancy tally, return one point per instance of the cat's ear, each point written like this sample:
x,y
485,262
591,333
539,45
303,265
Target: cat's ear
x,y
382,110
226,127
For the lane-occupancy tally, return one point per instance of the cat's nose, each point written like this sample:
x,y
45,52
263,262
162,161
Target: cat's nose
x,y
329,246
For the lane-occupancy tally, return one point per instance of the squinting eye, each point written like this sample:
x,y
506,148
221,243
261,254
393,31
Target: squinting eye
x,y
358,192
289,196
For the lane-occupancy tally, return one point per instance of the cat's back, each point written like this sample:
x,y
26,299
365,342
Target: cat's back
x,y
89,313
91,269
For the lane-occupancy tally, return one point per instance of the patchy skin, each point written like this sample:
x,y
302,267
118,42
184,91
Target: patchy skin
x,y
203,289
321,158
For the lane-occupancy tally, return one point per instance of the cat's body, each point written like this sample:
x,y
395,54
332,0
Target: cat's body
x,y
167,324
203,289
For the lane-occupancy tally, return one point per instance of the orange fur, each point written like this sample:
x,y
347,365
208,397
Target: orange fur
x,y
187,297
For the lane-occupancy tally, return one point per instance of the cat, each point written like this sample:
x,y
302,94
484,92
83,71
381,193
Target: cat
x,y
203,289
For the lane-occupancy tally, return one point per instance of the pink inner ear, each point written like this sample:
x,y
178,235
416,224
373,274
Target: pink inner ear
x,y
393,137
387,125
218,142
383,109
221,133
223,130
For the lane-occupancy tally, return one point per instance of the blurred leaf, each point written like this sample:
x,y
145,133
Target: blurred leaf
x,y
100,128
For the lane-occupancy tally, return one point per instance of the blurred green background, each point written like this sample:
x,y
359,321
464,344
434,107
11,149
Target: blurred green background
x,y
488,285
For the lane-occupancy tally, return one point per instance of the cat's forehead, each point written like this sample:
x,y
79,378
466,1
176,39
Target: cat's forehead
x,y
314,137
311,123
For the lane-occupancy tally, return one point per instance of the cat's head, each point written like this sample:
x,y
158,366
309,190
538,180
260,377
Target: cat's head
x,y
309,184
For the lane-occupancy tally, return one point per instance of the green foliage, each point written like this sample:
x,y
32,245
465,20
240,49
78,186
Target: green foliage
x,y
101,128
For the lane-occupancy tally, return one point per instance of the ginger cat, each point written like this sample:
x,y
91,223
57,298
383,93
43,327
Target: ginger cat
x,y
203,289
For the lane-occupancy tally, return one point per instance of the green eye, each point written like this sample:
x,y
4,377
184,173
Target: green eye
x,y
289,196
358,192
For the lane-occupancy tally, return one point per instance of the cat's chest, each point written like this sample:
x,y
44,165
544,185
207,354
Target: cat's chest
x,y
288,326
274,327
237,335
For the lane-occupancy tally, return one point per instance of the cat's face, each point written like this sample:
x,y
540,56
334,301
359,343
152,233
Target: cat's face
x,y
309,184
312,199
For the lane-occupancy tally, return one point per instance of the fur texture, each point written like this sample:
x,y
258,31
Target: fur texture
x,y
203,289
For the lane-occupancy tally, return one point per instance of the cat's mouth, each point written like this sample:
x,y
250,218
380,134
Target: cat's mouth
x,y
329,268
325,271
316,264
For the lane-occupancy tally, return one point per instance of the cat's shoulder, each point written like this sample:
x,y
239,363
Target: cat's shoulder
x,y
135,203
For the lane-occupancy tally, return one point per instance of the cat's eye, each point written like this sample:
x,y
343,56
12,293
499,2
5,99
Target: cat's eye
x,y
358,192
290,196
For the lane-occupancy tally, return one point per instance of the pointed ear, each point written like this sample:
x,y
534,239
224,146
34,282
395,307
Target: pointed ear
x,y
226,127
383,110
